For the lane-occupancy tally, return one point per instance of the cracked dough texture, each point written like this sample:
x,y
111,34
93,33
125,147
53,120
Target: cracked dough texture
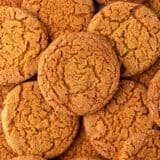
x,y
28,158
155,6
13,3
78,73
6,152
135,34
110,1
22,40
154,98
32,126
124,116
144,146
81,147
62,16
146,76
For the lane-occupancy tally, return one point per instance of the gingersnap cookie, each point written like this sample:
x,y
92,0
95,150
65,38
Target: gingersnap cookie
x,y
28,158
32,127
146,76
154,98
22,40
81,147
6,152
78,73
61,16
144,146
124,116
135,34
155,6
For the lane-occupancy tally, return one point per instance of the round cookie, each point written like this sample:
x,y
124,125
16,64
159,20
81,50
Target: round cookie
x,y
86,75
144,146
6,152
110,1
146,76
154,98
22,40
135,34
124,116
28,158
81,147
155,6
62,16
32,126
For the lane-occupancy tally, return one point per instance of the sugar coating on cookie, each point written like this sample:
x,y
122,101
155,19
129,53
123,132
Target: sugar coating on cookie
x,y
13,3
32,126
155,6
154,98
124,116
144,146
146,76
28,158
135,34
81,147
6,152
78,73
22,40
62,16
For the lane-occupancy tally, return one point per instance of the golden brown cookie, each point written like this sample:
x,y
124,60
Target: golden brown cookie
x,y
146,76
13,3
61,16
28,158
135,34
81,147
32,126
155,6
124,116
22,41
6,152
144,146
110,1
3,92
86,75
154,98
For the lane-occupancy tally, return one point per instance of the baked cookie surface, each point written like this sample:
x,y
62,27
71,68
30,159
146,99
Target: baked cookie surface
x,y
32,126
78,73
154,98
22,40
28,158
124,116
62,16
144,146
135,34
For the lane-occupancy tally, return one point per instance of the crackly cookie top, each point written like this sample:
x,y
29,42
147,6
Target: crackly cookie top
x,y
62,16
32,126
81,147
146,76
6,152
22,40
13,3
78,73
144,146
28,158
135,34
154,98
124,116
154,5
